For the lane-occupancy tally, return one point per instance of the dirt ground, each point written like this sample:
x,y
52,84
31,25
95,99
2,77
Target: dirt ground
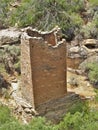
x,y
80,85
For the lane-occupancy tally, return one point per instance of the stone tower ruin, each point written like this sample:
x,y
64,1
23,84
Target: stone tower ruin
x,y
43,66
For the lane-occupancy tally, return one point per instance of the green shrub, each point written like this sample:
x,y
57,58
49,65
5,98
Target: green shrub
x,y
13,50
79,106
89,30
14,125
93,72
40,124
94,2
10,59
4,11
46,14
17,67
5,115
96,96
80,121
71,122
8,122
77,121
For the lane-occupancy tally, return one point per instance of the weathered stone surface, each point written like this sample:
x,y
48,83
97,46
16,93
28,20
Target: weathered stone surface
x,y
91,59
21,102
43,65
74,62
89,41
77,71
76,55
54,110
27,110
75,49
81,52
8,36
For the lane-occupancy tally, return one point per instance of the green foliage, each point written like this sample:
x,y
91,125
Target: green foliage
x,y
5,115
89,30
8,122
79,106
96,96
23,15
45,14
40,124
14,125
77,121
71,122
2,68
17,67
94,2
93,72
80,121
10,54
95,20
13,50
4,11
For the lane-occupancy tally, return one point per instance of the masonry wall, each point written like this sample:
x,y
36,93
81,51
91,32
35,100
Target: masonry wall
x,y
43,68
26,73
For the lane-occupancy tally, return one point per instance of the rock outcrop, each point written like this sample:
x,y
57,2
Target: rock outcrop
x,y
56,109
9,36
78,53
91,59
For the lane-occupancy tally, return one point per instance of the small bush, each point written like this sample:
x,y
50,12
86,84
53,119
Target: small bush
x,y
89,30
94,2
40,124
5,115
46,14
80,121
10,60
80,106
76,121
93,72
8,122
4,11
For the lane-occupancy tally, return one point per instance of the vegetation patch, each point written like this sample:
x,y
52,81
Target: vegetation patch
x,y
46,14
77,120
92,69
10,59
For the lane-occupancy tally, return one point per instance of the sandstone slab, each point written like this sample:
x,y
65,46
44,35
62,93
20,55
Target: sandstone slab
x,y
9,36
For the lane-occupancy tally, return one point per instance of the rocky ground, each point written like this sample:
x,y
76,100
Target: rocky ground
x,y
80,85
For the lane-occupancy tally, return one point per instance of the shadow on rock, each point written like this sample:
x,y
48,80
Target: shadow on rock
x,y
3,82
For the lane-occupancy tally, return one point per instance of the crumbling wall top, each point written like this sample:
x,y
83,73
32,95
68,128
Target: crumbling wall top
x,y
53,37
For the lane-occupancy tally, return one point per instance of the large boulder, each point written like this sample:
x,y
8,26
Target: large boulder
x,y
9,36
91,59
78,53
89,41
74,49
